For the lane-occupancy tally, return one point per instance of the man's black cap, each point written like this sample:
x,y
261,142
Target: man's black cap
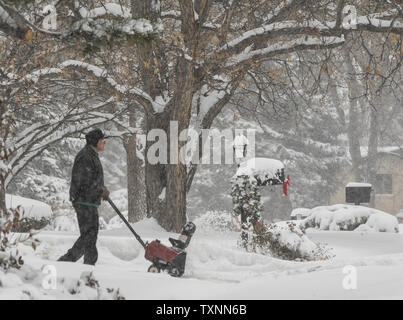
x,y
94,136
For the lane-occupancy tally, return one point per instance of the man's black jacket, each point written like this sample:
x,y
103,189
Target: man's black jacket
x,y
87,178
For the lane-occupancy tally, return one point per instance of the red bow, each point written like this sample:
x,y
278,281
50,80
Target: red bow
x,y
286,183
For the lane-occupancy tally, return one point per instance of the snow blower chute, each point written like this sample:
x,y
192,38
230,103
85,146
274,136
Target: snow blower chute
x,y
173,258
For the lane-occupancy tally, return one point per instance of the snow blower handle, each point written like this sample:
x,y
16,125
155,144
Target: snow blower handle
x,y
126,222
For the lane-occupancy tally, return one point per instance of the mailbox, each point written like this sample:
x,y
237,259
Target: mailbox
x,y
357,192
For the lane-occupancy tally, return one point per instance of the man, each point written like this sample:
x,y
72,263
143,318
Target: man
x,y
86,190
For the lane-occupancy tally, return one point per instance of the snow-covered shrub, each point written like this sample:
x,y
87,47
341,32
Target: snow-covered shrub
x,y
33,214
87,287
28,283
381,222
285,240
27,224
9,254
348,218
216,220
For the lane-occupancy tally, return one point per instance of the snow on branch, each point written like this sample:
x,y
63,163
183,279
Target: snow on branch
x,y
111,21
277,10
326,149
39,137
158,104
372,22
284,47
210,97
107,8
172,14
100,22
73,115
108,28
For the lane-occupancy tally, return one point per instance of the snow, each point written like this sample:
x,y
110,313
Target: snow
x,y
207,101
343,217
303,212
358,185
32,208
283,46
216,268
158,104
162,195
382,222
107,8
262,167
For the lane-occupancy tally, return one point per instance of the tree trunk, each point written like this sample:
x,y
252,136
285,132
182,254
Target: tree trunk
x,y
372,151
169,207
353,129
135,175
3,132
3,207
155,176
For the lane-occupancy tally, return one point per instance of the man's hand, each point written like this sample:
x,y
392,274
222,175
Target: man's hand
x,y
105,193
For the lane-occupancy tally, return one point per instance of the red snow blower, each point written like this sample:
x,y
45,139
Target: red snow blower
x,y
173,258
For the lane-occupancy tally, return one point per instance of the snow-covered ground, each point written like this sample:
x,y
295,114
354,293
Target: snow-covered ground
x,y
217,269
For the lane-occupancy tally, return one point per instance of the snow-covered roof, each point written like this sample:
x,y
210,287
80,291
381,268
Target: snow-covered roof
x,y
264,168
32,208
358,185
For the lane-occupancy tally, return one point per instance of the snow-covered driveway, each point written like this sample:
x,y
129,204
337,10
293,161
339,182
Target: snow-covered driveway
x,y
217,269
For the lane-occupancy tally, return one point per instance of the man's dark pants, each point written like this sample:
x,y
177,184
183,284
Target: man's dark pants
x,y
88,222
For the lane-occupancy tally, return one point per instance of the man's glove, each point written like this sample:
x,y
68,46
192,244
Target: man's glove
x,y
105,193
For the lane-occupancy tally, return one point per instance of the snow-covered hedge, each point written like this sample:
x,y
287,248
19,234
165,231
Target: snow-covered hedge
x,y
216,220
33,214
286,240
10,256
343,217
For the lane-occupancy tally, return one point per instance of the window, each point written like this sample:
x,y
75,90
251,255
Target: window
x,y
383,184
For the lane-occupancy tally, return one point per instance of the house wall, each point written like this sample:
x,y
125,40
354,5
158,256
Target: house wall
x,y
391,203
389,164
